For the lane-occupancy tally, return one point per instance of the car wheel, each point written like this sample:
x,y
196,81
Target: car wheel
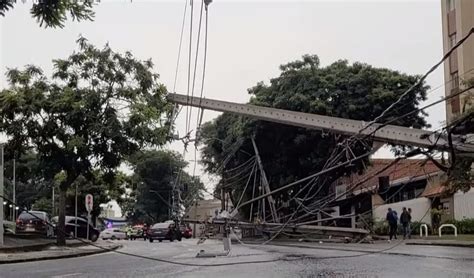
x,y
179,238
94,237
113,238
151,240
160,240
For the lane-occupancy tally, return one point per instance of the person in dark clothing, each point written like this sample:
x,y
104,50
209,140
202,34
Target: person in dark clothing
x,y
405,219
409,224
392,223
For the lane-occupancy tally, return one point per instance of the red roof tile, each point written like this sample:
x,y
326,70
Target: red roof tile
x,y
404,170
434,190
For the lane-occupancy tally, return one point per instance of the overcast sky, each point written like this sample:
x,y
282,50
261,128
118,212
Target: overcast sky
x,y
248,40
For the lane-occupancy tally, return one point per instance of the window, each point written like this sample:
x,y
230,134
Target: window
x,y
452,40
450,5
31,215
340,189
454,81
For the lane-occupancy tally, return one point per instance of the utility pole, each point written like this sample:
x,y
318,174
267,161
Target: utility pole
x,y
266,186
52,199
1,194
75,215
14,190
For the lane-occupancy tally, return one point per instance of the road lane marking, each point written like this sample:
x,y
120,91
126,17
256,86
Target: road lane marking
x,y
66,275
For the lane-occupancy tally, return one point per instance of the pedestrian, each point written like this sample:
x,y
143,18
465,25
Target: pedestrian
x,y
396,223
405,219
392,224
436,217
409,224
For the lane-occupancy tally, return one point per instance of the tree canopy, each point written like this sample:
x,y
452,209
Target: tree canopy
x,y
353,91
53,13
155,176
98,108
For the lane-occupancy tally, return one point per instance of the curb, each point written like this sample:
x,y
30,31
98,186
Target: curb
x,y
36,247
65,256
368,252
441,244
26,248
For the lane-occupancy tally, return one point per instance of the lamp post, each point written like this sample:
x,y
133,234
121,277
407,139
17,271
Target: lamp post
x,y
14,188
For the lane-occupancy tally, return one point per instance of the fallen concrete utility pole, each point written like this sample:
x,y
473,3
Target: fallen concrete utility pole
x,y
387,134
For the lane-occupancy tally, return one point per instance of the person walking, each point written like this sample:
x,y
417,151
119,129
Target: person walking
x,y
392,224
409,224
405,219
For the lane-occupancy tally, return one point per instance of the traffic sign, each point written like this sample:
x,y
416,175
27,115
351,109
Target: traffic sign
x,y
89,202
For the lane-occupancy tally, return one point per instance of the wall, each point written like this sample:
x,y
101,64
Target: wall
x,y
464,205
420,209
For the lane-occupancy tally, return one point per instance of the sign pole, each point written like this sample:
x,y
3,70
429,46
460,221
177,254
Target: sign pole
x,y
89,205
88,223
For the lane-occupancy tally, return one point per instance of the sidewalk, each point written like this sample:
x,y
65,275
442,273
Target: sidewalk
x,y
25,244
55,252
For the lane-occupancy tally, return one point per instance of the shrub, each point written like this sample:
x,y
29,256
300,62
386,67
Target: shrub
x,y
381,228
465,226
415,228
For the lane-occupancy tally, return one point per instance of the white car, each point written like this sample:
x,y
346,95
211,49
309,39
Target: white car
x,y
113,233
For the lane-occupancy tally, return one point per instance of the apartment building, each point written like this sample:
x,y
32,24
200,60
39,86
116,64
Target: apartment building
x,y
457,21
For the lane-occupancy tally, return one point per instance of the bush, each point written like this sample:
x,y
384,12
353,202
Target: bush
x,y
381,228
465,226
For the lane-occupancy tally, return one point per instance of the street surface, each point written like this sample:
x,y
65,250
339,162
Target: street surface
x,y
401,261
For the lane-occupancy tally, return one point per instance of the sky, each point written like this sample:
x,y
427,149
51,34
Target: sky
x,y
247,41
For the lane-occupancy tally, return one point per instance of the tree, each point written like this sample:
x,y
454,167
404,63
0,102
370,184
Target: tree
x,y
53,13
353,91
103,190
155,177
99,107
32,179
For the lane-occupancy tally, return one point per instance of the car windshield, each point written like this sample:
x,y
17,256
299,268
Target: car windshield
x,y
161,226
32,215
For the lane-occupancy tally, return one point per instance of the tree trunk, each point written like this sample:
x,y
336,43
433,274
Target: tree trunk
x,y
61,228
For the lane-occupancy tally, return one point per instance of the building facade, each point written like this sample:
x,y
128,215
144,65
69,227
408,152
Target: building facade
x,y
457,22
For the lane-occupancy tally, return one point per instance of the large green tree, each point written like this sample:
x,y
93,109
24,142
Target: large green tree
x,y
157,174
99,107
32,178
353,91
53,13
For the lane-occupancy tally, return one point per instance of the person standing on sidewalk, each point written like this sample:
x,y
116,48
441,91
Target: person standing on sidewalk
x,y
392,224
409,224
405,219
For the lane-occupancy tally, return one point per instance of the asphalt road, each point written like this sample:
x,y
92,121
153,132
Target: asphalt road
x,y
401,261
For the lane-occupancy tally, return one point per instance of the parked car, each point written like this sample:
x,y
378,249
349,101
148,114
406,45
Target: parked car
x,y
136,231
34,222
70,228
186,231
161,231
113,233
